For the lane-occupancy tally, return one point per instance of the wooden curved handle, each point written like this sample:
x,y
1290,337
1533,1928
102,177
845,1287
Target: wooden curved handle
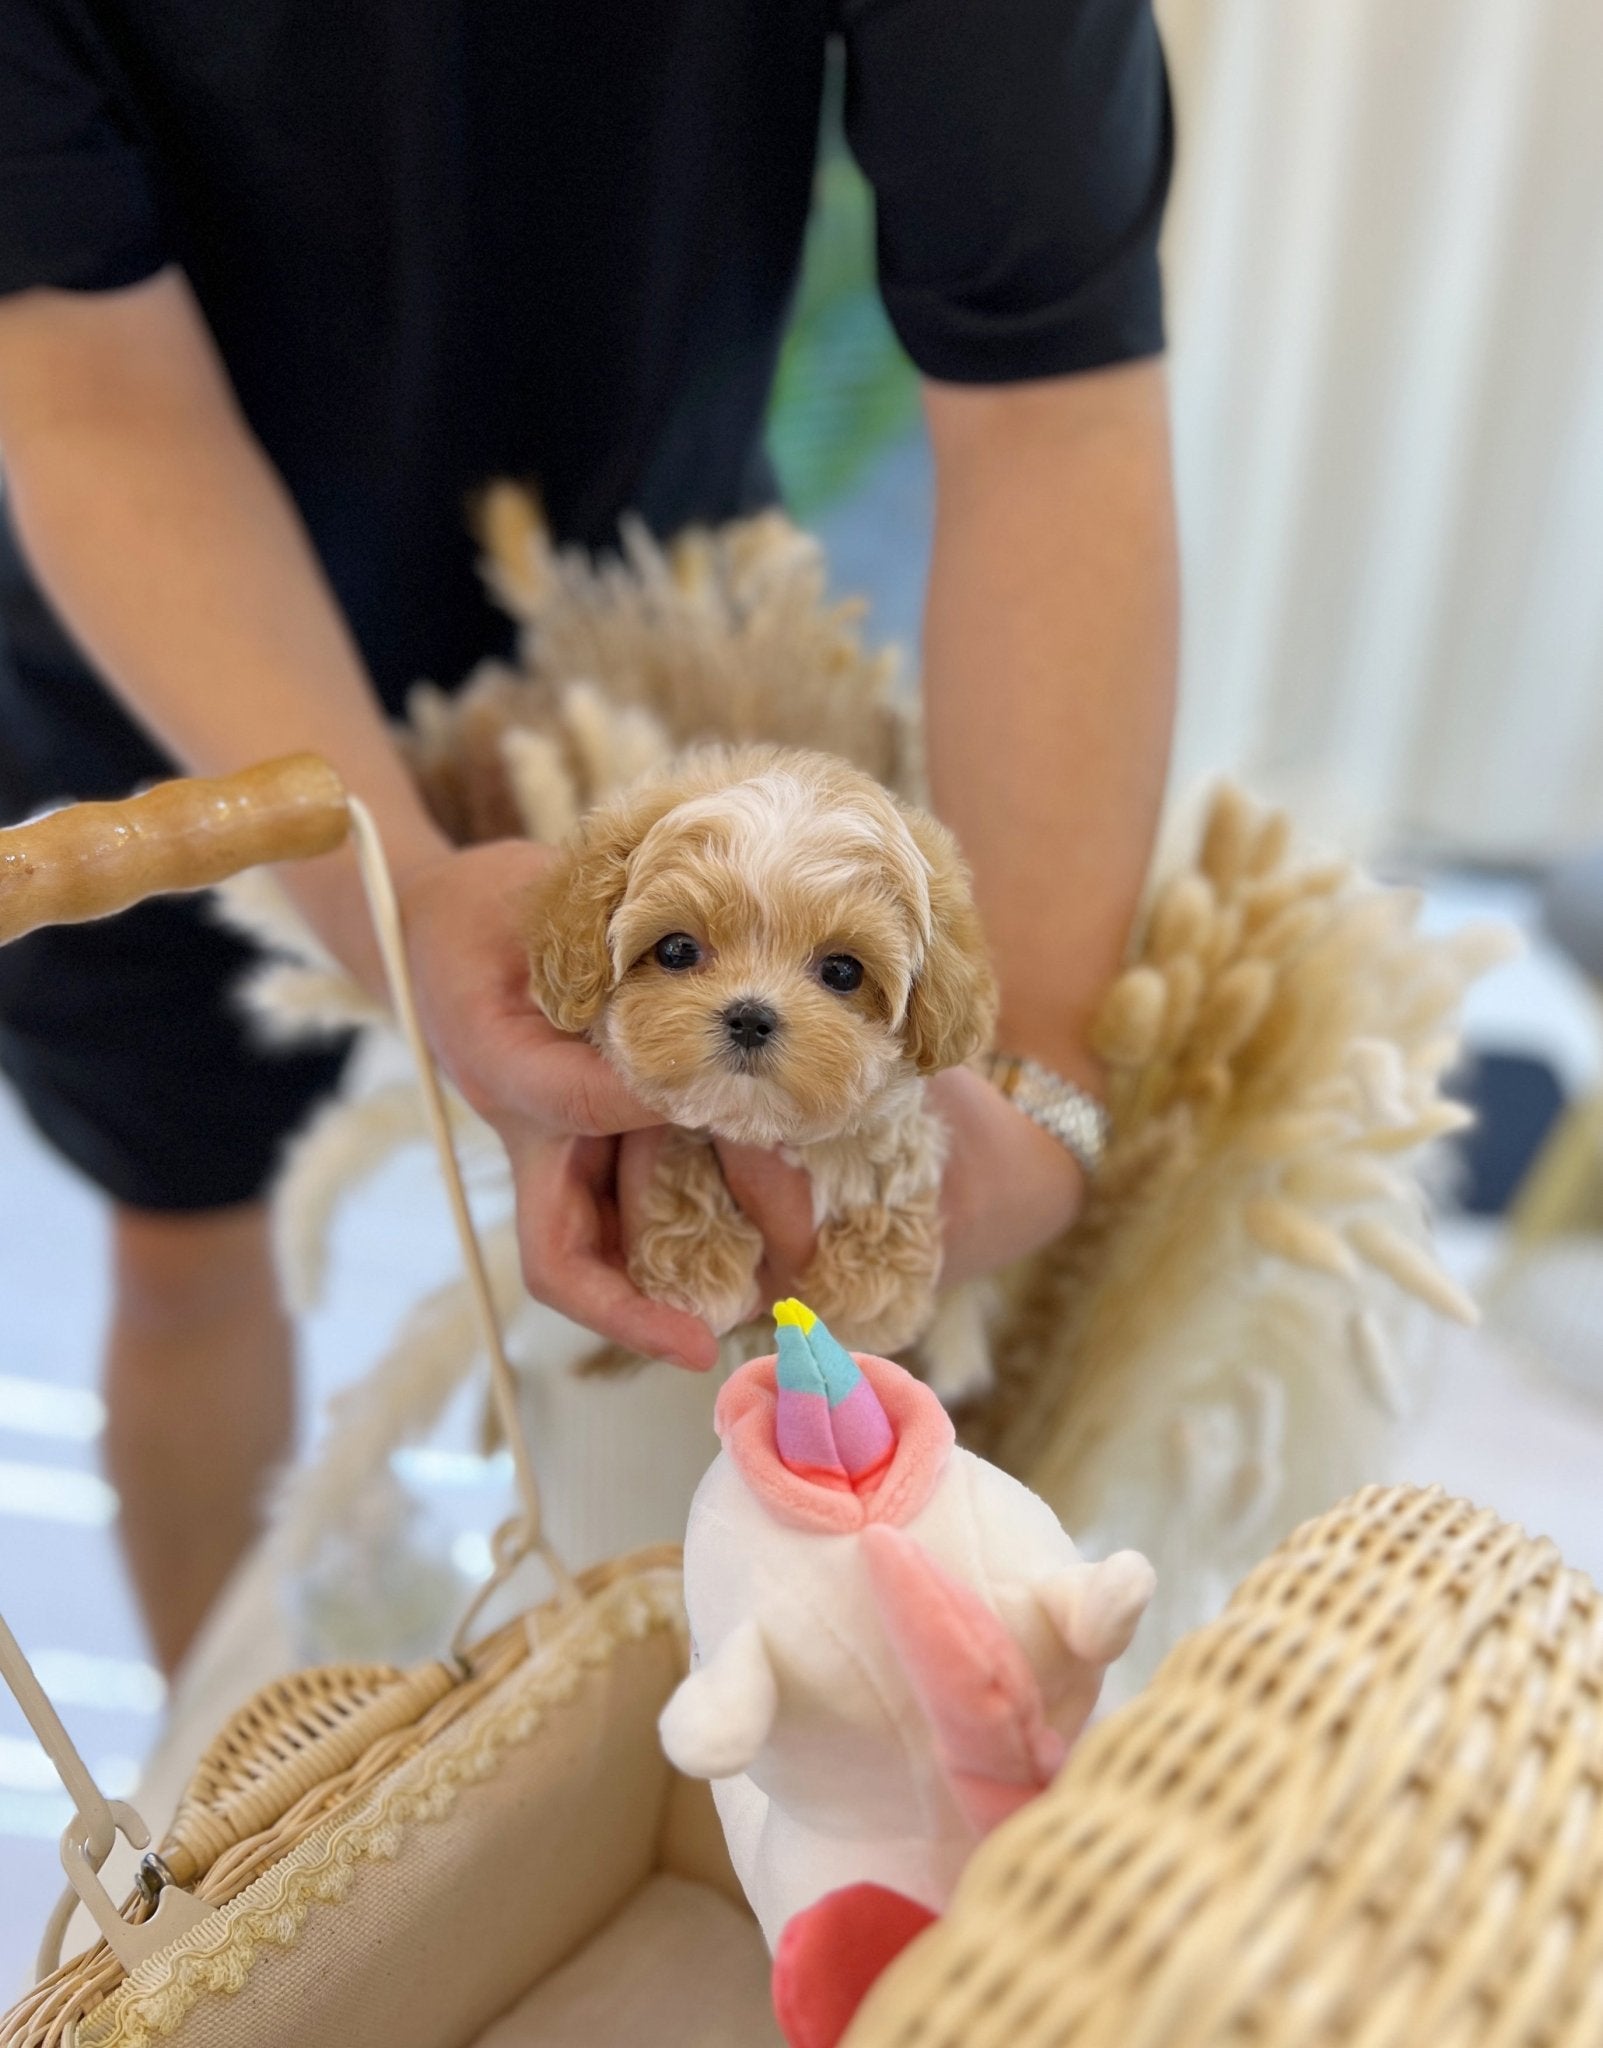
x,y
93,859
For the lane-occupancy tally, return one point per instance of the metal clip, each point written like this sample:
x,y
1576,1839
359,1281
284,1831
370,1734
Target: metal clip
x,y
176,1912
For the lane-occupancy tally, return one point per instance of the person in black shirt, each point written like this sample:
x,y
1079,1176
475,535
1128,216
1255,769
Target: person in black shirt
x,y
280,285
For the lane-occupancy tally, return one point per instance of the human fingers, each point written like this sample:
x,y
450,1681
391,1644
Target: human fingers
x,y
471,967
568,1243
563,1086
778,1198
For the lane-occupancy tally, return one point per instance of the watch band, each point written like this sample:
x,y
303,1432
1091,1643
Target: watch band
x,y
1077,1120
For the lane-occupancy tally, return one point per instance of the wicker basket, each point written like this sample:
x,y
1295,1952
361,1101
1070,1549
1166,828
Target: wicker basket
x,y
1364,1807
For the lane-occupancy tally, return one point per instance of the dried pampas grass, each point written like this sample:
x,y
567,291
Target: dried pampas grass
x,y
721,635
1215,1350
398,1402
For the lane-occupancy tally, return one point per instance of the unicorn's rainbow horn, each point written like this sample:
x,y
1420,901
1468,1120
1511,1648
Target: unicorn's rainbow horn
x,y
829,1424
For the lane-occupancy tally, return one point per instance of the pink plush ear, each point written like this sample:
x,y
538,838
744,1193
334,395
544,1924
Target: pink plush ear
x,y
830,1956
975,1685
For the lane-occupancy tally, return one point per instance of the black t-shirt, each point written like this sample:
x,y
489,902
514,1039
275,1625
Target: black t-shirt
x,y
445,240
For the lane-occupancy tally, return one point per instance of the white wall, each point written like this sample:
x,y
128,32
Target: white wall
x,y
1385,271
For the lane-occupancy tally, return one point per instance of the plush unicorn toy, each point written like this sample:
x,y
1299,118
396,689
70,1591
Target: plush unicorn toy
x,y
893,1642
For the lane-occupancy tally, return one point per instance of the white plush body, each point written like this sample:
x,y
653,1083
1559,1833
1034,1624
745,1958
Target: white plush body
x,y
825,1766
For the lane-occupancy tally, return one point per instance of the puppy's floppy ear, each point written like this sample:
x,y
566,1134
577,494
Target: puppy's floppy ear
x,y
564,917
952,1009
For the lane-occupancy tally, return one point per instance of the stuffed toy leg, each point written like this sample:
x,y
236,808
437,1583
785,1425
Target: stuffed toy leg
x,y
893,1642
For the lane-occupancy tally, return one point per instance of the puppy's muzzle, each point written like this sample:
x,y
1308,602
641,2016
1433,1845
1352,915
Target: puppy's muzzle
x,y
750,1028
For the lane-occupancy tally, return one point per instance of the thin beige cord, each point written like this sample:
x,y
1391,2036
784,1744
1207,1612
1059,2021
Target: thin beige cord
x,y
100,1823
515,1541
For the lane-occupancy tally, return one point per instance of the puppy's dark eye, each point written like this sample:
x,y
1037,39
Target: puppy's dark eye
x,y
840,972
676,952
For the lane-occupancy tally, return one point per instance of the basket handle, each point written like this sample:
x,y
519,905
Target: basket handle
x,y
88,861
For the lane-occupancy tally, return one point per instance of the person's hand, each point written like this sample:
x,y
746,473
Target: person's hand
x,y
1008,1189
555,1103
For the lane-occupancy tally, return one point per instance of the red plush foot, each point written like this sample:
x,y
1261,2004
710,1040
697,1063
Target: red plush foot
x,y
830,1955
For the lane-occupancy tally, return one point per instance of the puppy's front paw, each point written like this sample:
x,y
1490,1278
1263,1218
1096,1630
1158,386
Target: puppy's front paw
x,y
695,1250
873,1276
718,1283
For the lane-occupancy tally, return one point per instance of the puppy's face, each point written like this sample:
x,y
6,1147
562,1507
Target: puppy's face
x,y
770,948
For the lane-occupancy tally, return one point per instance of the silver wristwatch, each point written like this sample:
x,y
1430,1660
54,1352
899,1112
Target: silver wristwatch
x,y
1077,1120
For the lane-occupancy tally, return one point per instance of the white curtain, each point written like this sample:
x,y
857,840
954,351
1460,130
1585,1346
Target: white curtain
x,y
1385,268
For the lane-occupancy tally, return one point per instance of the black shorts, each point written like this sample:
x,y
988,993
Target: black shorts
x,y
122,1037
122,1040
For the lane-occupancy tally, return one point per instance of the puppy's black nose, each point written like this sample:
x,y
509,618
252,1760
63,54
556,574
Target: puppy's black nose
x,y
750,1025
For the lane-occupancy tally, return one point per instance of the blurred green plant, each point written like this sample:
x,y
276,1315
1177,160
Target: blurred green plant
x,y
844,389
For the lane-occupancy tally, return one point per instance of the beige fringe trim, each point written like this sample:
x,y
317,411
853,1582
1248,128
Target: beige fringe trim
x,y
218,1956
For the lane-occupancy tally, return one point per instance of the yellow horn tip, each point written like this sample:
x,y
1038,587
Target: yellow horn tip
x,y
795,1313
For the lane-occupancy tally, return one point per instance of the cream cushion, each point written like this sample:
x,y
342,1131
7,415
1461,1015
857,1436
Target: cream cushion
x,y
679,1967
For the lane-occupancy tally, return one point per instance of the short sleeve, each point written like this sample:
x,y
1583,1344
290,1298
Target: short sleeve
x,y
1019,153
77,209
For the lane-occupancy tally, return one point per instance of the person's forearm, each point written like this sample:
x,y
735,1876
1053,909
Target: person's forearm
x,y
1050,653
170,546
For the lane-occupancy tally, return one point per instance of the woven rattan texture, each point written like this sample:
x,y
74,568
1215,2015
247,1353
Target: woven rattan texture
x,y
294,1735
1362,1807
300,1750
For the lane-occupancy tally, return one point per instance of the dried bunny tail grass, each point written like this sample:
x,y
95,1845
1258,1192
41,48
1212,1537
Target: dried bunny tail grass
x,y
1410,1267
1334,1180
1290,1231
394,1404
1300,1133
255,905
727,634
296,993
1183,978
286,1005
1375,1364
543,786
615,744
1231,1009
1482,944
454,746
1253,1246
587,751
346,1142
1182,915
1129,1025
1230,838
1439,1121
518,560
1270,844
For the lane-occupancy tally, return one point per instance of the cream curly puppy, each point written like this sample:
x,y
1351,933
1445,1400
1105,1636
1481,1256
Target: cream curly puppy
x,y
773,949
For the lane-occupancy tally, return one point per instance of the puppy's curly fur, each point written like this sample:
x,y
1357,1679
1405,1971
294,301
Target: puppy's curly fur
x,y
823,955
